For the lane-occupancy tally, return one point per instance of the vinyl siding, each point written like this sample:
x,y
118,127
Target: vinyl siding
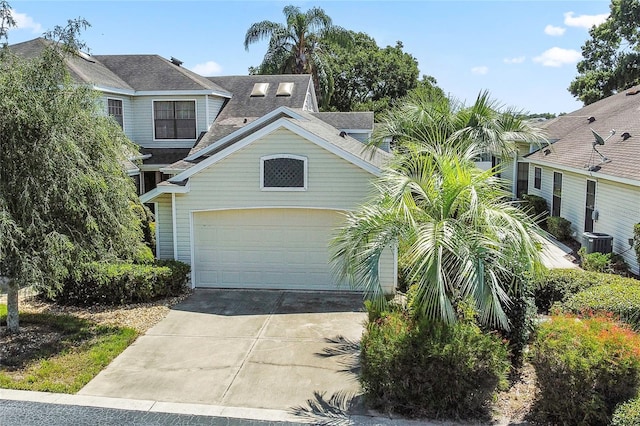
x,y
234,183
142,131
164,227
215,105
127,112
618,206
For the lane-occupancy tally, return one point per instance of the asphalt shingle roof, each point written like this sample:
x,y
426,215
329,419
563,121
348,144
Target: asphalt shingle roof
x,y
164,155
83,69
347,120
572,140
243,109
153,72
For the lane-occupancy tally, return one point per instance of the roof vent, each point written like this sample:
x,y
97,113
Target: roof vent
x,y
260,89
176,61
85,56
547,151
625,136
284,89
633,92
591,119
343,134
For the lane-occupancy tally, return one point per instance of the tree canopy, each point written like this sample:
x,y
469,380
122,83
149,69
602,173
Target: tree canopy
x,y
298,46
611,57
367,77
64,195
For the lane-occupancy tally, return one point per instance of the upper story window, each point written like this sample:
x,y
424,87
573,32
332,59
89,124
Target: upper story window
x,y
174,119
114,109
283,172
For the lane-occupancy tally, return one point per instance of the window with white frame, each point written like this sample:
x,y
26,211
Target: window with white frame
x,y
537,178
174,119
114,110
283,172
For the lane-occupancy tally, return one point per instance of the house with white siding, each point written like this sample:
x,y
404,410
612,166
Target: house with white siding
x,y
258,207
590,173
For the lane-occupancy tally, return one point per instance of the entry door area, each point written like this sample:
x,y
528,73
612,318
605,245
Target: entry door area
x,y
264,248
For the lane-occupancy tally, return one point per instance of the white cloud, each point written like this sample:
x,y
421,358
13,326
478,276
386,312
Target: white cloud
x,y
584,21
557,57
480,70
26,22
554,31
516,60
207,69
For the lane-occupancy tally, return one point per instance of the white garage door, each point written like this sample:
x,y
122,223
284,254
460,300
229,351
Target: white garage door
x,y
264,248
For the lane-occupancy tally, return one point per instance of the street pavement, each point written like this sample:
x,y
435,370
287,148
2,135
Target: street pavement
x,y
29,413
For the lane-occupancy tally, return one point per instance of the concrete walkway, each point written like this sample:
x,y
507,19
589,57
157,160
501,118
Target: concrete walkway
x,y
237,351
556,255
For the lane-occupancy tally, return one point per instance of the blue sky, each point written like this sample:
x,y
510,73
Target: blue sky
x,y
523,52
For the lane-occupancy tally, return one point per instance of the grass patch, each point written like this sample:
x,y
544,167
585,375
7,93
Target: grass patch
x,y
58,353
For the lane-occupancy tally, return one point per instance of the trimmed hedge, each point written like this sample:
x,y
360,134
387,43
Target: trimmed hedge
x,y
585,368
627,414
429,369
559,227
556,285
620,299
122,283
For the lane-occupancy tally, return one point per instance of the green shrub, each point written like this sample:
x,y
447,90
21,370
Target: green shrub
x,y
627,414
522,320
121,283
559,227
585,367
536,207
556,285
636,240
427,369
621,299
603,262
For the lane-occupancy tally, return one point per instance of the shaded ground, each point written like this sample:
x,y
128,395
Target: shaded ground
x,y
33,342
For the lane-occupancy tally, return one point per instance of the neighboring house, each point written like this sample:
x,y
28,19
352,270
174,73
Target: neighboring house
x,y
161,106
258,207
596,187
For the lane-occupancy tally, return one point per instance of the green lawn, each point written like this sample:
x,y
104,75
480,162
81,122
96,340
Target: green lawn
x,y
68,364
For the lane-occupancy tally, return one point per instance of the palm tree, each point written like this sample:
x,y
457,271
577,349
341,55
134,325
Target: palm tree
x,y
426,117
460,236
297,46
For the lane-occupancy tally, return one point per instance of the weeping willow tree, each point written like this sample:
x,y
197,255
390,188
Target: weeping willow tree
x,y
64,195
461,238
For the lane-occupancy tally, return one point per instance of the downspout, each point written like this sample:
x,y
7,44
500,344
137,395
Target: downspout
x,y
514,184
175,226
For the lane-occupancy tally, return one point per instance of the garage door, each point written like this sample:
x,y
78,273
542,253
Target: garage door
x,y
264,248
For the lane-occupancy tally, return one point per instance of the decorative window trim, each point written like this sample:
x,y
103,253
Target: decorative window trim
x,y
281,189
153,119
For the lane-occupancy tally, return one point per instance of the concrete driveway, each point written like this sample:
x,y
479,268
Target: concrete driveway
x,y
238,348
